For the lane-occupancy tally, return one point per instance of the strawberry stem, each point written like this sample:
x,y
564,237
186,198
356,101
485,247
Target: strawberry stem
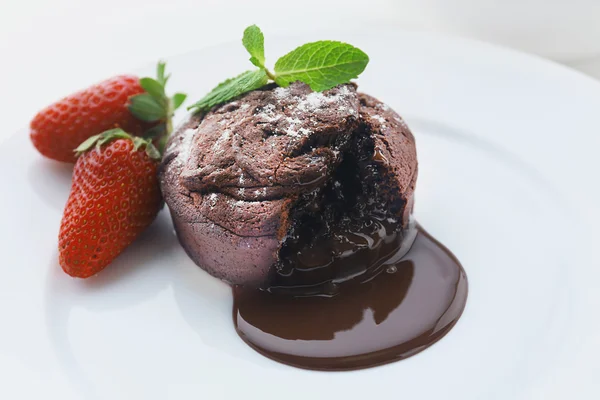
x,y
155,106
162,143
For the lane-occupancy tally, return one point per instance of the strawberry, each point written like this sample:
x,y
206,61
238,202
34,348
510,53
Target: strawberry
x,y
138,106
114,197
61,127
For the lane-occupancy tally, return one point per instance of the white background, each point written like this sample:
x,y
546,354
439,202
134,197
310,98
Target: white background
x,y
49,48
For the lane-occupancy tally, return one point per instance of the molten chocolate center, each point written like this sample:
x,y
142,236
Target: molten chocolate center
x,y
406,307
355,285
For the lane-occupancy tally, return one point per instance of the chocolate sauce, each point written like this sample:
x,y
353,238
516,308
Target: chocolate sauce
x,y
409,300
356,283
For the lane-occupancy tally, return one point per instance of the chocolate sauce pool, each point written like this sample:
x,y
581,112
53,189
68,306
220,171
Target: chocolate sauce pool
x,y
409,300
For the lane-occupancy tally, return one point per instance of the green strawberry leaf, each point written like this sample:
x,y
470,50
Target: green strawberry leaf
x,y
254,42
152,151
153,87
112,134
100,139
147,108
155,132
178,99
87,144
231,88
160,73
155,106
321,65
118,133
138,142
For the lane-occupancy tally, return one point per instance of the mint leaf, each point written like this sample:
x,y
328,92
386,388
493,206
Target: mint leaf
x,y
321,65
178,99
153,87
254,42
147,108
227,90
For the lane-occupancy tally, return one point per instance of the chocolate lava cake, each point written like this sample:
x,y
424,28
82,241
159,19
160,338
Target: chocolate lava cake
x,y
284,185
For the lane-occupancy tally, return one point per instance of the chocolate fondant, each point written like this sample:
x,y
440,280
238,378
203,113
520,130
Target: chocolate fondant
x,y
245,180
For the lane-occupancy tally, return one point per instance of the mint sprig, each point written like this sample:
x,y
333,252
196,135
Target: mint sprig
x,y
322,65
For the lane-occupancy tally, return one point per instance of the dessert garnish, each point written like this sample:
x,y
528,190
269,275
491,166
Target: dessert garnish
x,y
322,65
138,106
114,197
115,132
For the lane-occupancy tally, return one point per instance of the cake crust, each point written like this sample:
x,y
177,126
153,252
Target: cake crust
x,y
232,176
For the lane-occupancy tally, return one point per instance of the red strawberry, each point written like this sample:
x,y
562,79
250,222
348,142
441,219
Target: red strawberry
x,y
114,197
134,105
58,129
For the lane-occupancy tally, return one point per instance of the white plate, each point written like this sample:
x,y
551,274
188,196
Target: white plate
x,y
508,181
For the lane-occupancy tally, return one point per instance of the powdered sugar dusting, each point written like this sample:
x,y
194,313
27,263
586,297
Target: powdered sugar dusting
x,y
236,203
304,132
291,129
218,146
316,101
267,113
212,198
311,102
380,119
186,146
401,122
338,100
281,93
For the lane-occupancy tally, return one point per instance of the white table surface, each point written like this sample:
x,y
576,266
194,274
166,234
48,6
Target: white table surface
x,y
51,48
